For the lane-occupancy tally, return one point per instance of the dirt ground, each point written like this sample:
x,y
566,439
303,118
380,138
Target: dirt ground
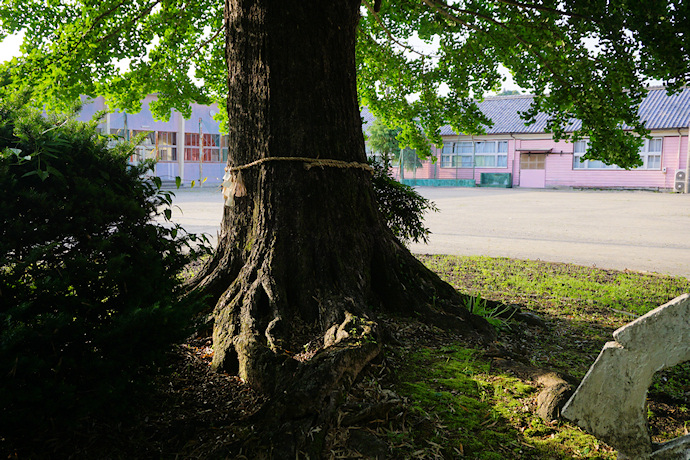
x,y
635,230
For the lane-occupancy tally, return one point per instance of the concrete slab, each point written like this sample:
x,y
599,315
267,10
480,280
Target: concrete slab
x,y
636,230
610,402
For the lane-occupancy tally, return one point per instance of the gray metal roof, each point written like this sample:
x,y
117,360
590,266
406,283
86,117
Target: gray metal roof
x,y
658,110
367,119
661,111
504,111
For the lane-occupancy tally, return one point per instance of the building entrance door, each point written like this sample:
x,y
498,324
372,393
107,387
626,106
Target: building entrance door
x,y
533,170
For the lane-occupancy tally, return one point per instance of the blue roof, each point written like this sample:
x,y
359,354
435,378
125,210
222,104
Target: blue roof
x,y
658,110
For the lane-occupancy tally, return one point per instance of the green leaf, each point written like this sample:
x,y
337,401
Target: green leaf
x,y
42,174
51,170
420,65
30,173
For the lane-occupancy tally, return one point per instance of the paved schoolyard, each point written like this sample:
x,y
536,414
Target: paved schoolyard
x,y
637,230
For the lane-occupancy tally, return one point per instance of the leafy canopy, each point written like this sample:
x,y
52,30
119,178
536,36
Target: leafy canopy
x,y
585,59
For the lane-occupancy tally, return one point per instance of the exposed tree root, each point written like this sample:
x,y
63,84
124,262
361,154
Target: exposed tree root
x,y
307,357
300,414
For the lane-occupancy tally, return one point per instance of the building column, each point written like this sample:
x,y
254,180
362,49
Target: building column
x,y
180,145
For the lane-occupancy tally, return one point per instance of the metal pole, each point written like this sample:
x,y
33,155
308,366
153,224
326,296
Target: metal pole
x,y
402,166
180,146
201,154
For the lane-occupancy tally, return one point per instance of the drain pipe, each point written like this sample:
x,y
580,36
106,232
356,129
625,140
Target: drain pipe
x,y
680,141
516,180
687,164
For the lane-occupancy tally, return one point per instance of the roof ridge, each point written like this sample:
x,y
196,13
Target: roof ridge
x,y
508,96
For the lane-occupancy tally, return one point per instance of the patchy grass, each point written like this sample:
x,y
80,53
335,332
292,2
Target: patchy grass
x,y
545,285
484,414
432,395
461,400
457,404
464,404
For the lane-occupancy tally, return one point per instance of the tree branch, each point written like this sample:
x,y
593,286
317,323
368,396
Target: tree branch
x,y
545,9
183,64
143,12
390,36
436,5
102,16
213,37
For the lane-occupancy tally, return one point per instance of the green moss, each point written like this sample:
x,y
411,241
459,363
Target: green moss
x,y
482,414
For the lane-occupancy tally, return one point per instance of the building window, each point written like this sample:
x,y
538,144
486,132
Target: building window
x,y
212,147
487,154
149,136
215,147
650,154
118,132
491,154
456,155
145,150
167,146
579,150
191,149
532,161
224,142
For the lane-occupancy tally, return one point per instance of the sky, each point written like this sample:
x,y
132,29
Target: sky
x,y
10,47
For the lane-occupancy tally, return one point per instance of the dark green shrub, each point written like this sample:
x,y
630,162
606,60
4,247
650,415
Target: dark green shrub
x,y
401,206
89,282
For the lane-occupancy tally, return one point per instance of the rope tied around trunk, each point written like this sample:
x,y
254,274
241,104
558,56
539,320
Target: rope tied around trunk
x,y
233,185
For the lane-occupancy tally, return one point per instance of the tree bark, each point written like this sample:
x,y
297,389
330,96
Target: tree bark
x,y
304,259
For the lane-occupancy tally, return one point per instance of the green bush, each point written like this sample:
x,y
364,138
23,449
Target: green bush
x,y
89,286
401,206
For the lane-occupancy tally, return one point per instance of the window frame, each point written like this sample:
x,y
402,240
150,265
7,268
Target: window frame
x,y
167,146
598,165
646,154
456,154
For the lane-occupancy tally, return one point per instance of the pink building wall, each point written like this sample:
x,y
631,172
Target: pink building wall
x,y
560,173
559,170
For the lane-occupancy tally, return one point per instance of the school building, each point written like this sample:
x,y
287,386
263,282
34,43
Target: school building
x,y
177,144
512,154
509,154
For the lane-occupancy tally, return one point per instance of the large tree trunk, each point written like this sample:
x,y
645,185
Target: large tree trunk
x,y
304,257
